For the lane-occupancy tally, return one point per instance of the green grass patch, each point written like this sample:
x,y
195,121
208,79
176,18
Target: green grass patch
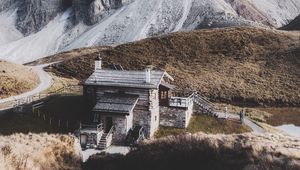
x,y
207,124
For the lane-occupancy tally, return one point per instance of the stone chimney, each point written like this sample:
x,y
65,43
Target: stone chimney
x,y
148,74
98,63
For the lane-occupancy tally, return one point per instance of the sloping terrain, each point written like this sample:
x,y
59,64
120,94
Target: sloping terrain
x,y
201,151
245,66
294,25
36,32
39,151
15,79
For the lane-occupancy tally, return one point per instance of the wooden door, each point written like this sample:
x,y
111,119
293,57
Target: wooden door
x,y
108,124
83,140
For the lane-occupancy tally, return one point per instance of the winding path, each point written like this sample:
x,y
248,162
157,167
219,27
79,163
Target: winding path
x,y
45,82
255,128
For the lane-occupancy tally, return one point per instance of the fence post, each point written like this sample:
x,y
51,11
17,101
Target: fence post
x,y
50,120
67,124
58,122
44,117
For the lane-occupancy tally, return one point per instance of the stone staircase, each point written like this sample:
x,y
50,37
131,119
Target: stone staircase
x,y
103,142
106,139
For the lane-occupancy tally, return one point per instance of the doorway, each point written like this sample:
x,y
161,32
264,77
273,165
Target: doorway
x,y
108,124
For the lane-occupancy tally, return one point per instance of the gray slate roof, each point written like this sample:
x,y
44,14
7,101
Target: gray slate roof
x,y
116,103
121,78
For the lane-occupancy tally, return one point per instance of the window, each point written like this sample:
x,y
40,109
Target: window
x,y
96,117
155,118
163,95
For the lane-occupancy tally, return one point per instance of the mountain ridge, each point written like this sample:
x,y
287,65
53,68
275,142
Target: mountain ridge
x,y
74,24
294,25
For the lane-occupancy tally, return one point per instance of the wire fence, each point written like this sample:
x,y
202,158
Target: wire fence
x,y
61,124
17,105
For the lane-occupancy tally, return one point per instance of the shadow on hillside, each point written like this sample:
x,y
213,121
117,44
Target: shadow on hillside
x,y
200,151
59,114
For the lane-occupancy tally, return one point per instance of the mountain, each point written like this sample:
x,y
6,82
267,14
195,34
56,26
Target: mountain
x,y
232,65
32,29
294,25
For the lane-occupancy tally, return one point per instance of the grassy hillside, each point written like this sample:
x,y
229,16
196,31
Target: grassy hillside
x,y
236,65
15,79
201,151
41,151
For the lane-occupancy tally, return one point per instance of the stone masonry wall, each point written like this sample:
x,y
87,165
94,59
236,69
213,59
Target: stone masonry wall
x,y
175,117
154,109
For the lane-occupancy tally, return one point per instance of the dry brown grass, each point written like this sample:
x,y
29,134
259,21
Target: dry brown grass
x,y
39,151
61,82
246,66
15,79
282,116
202,151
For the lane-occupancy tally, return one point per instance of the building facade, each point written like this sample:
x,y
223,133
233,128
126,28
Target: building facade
x,y
123,100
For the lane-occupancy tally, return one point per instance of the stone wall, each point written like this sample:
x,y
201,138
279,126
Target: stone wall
x,y
154,112
146,111
175,117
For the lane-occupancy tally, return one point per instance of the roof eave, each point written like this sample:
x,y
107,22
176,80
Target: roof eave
x,y
109,112
151,86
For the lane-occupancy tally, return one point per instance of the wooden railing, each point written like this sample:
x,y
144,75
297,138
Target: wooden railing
x,y
97,128
67,91
109,136
185,102
205,104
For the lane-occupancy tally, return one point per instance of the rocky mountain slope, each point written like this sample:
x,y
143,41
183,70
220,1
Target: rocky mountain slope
x,y
38,28
15,79
236,65
294,25
202,151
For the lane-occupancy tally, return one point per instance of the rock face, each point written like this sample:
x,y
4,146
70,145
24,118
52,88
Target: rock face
x,y
32,15
89,11
5,4
60,25
35,14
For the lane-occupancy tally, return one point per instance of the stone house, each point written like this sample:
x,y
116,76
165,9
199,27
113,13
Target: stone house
x,y
125,99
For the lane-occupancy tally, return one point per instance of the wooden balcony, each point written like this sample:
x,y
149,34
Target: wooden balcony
x,y
181,102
